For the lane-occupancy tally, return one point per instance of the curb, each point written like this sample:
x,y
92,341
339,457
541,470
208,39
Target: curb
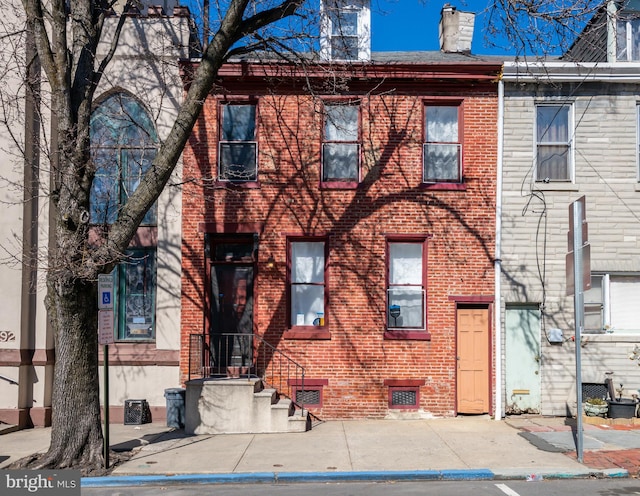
x,y
291,477
275,477
609,473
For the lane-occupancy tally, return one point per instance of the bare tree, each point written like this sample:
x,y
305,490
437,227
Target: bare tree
x,y
66,36
537,28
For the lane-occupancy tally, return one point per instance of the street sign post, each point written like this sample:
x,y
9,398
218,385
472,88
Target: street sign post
x,y
105,337
578,281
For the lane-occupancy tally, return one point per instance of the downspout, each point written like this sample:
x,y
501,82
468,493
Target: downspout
x,y
498,250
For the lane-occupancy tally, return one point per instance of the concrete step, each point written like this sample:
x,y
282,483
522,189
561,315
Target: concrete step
x,y
239,406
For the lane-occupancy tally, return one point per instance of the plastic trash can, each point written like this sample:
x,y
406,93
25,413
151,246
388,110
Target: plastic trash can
x,y
175,407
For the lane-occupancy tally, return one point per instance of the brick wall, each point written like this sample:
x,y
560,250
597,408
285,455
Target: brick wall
x,y
391,200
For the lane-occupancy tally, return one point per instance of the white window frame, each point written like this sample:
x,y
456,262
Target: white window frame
x,y
629,52
328,143
610,321
329,10
315,314
638,141
569,143
420,287
427,144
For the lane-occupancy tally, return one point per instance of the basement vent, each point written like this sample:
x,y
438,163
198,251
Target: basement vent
x,y
308,396
403,397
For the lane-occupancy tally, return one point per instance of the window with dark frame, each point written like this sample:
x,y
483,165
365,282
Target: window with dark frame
x,y
442,149
238,148
340,147
123,146
553,143
136,295
406,290
307,282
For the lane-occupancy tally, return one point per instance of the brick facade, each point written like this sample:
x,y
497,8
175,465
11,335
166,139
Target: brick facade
x,y
355,357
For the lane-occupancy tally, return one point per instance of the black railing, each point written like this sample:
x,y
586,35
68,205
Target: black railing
x,y
246,355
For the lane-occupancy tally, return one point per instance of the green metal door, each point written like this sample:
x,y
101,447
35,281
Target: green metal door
x,y
522,350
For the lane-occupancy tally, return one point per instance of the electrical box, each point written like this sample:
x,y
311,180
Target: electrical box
x,y
555,335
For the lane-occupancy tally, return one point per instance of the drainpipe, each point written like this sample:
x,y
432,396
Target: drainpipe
x,y
497,259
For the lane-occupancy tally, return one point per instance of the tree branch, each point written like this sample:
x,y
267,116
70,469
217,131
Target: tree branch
x,y
232,29
35,18
114,44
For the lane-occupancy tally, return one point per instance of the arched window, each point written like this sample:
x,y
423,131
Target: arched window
x,y
123,146
123,143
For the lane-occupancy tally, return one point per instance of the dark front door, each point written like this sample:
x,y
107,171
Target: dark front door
x,y
231,317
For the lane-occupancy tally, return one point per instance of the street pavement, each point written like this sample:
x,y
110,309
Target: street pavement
x,y
461,448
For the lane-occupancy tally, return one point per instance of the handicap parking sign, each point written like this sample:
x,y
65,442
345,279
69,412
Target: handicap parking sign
x,y
105,291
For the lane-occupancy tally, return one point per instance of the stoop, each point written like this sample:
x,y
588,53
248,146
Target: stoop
x,y
239,406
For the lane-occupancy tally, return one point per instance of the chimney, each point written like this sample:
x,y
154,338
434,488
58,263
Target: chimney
x,y
456,30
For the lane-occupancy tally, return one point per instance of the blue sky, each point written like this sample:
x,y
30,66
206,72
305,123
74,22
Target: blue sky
x,y
413,25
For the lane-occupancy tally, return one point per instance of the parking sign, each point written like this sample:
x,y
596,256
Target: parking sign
x,y
105,291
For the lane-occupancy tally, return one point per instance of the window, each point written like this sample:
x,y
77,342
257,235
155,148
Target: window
x,y
611,304
340,150
628,37
553,143
406,285
344,34
238,147
593,306
307,283
123,142
136,279
638,138
123,145
442,145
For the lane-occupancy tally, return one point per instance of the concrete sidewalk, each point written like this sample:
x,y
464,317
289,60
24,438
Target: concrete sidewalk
x,y
455,448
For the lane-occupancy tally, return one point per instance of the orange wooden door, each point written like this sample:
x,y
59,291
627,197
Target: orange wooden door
x,y
472,389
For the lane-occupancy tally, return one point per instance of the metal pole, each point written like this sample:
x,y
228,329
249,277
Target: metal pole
x,y
578,295
106,406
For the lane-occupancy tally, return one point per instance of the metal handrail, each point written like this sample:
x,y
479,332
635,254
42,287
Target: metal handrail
x,y
269,363
10,381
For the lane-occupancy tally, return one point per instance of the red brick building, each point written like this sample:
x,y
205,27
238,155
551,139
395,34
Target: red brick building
x,y
346,215
312,237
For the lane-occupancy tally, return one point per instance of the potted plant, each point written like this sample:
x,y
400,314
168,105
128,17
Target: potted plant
x,y
595,407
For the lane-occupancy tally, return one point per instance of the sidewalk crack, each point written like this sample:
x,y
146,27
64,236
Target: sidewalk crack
x,y
346,442
244,452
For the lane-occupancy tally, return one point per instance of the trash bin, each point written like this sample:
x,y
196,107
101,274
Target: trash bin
x,y
175,407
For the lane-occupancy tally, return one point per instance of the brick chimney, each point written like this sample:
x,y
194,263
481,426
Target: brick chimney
x,y
456,30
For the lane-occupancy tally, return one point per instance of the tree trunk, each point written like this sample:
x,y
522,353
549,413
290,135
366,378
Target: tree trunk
x,y
76,434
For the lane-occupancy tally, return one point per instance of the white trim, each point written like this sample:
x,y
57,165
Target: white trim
x,y
497,258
